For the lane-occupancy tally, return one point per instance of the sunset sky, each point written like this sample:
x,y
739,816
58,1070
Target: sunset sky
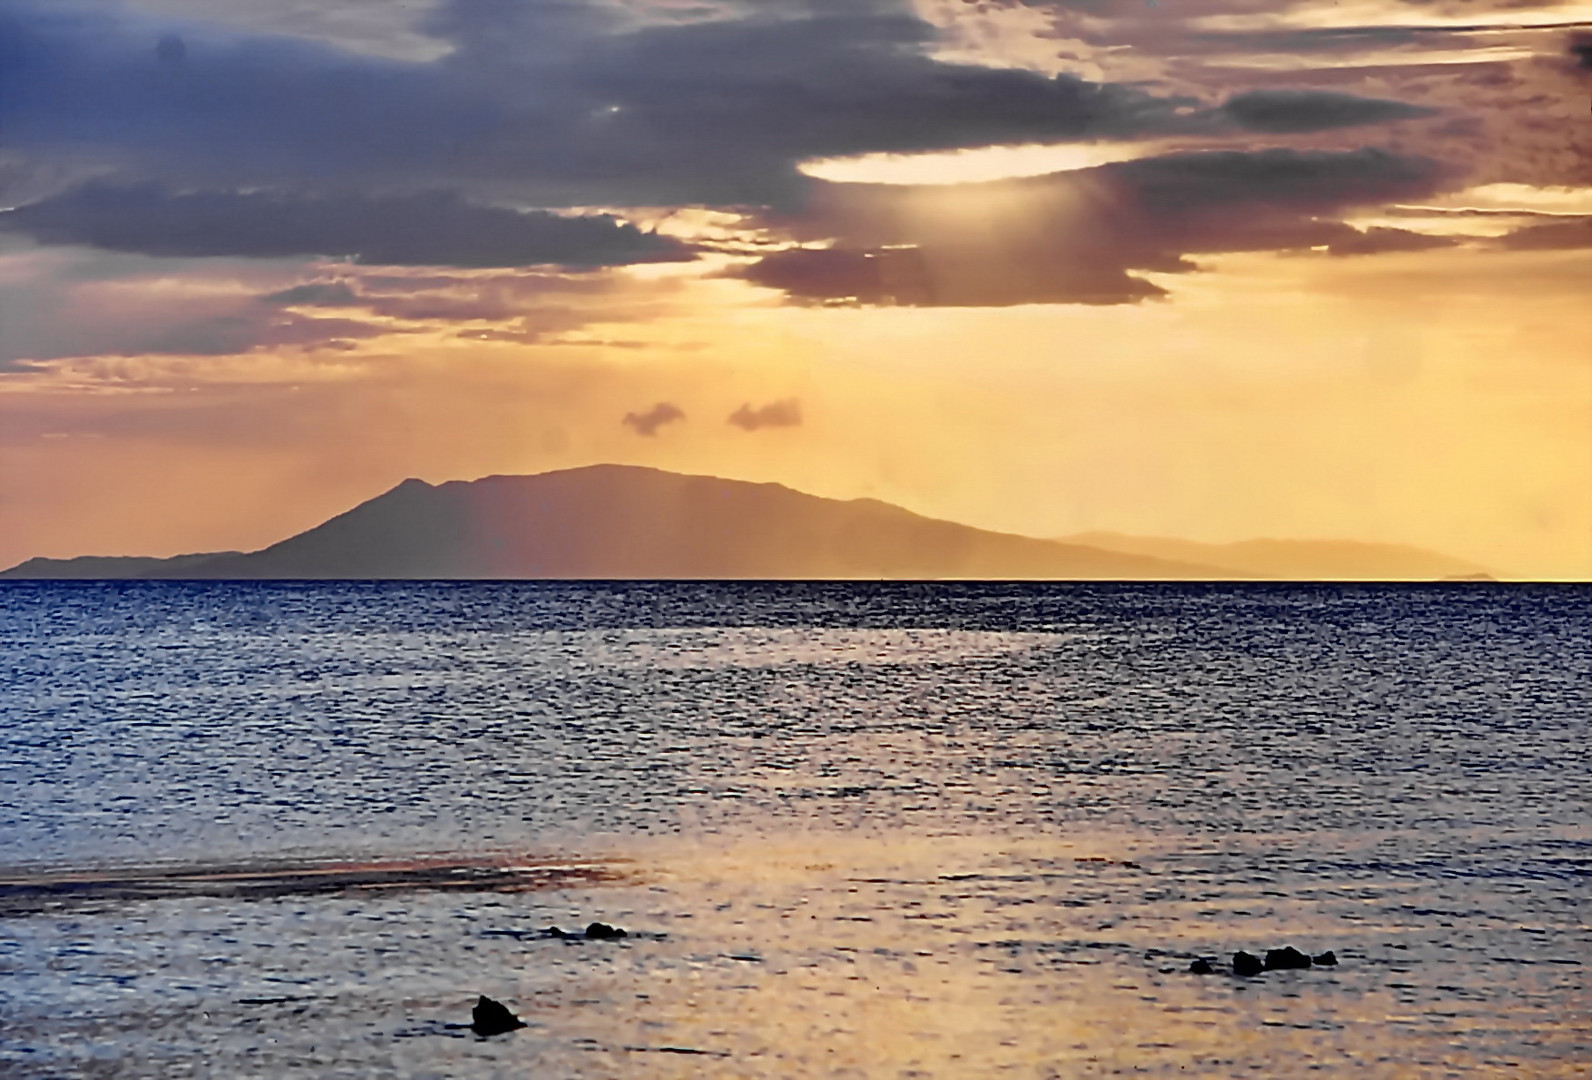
x,y
1214,269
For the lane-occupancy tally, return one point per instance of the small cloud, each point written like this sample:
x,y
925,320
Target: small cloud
x,y
648,423
783,413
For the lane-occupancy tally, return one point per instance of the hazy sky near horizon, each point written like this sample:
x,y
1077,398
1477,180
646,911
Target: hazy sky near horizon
x,y
1215,269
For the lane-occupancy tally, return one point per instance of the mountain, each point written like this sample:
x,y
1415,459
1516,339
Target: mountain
x,y
619,521
103,567
1296,560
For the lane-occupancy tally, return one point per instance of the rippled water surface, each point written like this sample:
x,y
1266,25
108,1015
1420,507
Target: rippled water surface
x,y
854,830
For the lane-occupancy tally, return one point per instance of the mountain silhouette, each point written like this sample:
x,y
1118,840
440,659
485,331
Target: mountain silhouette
x,y
106,567
1317,560
621,521
625,521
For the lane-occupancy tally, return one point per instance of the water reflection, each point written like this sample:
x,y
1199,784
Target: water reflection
x,y
810,953
953,831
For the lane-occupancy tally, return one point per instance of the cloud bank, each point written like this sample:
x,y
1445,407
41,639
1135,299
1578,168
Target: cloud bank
x,y
464,135
561,103
1080,237
433,229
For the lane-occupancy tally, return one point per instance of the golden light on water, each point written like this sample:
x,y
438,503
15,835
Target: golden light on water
x,y
834,953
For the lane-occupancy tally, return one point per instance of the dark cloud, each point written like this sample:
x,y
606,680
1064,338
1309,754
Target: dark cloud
x,y
283,145
1261,27
648,423
315,294
1379,239
1172,186
933,276
1080,237
62,302
778,92
226,335
1554,236
1380,45
425,229
1581,50
1294,111
555,103
219,143
410,304
105,90
784,413
523,307
179,332
1509,78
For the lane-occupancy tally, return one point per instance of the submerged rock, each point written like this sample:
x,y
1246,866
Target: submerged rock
x,y
1286,958
597,931
493,1018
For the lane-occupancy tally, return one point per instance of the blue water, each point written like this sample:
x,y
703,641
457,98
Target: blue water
x,y
868,830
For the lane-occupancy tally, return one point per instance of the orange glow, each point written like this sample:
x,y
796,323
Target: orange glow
x,y
973,166
1283,396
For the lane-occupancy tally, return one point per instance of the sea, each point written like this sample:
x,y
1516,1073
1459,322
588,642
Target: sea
x,y
854,830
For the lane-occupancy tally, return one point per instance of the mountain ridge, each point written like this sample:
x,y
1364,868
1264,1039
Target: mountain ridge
x,y
614,522
633,522
99,567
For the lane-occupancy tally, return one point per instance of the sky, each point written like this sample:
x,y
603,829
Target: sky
x,y
1211,269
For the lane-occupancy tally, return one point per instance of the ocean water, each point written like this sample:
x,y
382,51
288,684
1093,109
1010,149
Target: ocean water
x,y
854,830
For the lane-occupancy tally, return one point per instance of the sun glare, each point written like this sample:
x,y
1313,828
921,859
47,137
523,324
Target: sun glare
x,y
973,166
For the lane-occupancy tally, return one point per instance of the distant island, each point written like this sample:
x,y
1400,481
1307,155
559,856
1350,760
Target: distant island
x,y
606,522
1295,560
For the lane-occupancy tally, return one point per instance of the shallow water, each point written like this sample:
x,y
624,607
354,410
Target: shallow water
x,y
858,830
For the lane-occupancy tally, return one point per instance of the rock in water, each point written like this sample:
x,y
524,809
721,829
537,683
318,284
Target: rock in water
x,y
1326,959
493,1018
1246,965
1286,958
598,931
1201,966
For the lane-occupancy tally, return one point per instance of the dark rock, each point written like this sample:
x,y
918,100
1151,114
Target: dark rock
x,y
598,931
1246,965
1326,959
1201,966
553,931
1286,958
493,1018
